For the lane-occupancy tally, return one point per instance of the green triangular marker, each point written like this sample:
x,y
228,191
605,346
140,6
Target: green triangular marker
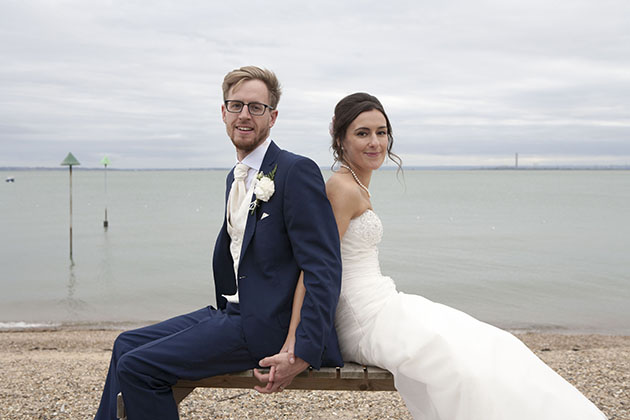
x,y
70,160
105,161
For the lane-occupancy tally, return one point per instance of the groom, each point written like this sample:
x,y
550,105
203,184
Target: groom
x,y
278,223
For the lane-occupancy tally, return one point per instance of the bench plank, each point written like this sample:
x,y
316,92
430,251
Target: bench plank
x,y
351,377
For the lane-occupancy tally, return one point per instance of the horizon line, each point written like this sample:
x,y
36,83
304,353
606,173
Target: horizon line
x,y
388,167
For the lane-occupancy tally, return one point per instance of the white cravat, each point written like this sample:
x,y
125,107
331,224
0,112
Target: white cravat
x,y
238,190
237,209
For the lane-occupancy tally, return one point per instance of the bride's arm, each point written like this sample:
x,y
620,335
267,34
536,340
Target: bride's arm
x,y
298,299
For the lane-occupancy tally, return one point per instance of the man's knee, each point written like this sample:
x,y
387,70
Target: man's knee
x,y
136,367
123,343
128,368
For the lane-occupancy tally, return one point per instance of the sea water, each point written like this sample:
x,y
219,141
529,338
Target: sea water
x,y
521,249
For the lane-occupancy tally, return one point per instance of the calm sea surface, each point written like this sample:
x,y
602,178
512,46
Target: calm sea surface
x,y
519,249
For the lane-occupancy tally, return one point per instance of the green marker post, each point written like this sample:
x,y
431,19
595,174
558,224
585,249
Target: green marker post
x,y
70,161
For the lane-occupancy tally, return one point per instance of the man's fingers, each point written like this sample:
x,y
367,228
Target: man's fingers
x,y
262,377
270,388
280,386
268,379
272,360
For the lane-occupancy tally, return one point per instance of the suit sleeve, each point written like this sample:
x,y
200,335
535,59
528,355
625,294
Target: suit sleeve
x,y
314,238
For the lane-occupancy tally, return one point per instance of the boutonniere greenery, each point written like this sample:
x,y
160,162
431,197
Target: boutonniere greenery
x,y
264,188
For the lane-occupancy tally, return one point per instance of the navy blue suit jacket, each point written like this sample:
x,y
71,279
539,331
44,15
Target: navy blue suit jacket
x,y
299,234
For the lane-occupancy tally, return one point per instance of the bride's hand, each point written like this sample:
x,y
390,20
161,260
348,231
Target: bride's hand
x,y
289,347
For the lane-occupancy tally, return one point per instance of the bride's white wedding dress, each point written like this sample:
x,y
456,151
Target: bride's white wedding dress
x,y
446,364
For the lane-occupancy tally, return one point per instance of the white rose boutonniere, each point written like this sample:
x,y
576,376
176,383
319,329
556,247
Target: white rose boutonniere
x,y
264,188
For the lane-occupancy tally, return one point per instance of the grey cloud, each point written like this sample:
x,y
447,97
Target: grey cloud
x,y
141,80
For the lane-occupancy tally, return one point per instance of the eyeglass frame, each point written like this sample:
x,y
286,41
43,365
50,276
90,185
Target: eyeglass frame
x,y
244,104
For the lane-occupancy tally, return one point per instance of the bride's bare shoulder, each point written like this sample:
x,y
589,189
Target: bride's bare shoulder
x,y
339,186
343,193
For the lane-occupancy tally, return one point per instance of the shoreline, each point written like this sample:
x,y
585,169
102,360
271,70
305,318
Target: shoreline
x,y
48,326
59,373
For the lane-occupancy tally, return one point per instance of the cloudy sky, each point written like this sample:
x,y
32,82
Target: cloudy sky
x,y
467,82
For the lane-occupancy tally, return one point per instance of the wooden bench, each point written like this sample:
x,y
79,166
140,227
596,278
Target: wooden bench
x,y
351,377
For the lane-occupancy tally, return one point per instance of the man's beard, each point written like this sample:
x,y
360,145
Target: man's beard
x,y
248,147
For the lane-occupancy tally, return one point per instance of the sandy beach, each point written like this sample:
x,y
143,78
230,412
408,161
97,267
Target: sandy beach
x,y
59,375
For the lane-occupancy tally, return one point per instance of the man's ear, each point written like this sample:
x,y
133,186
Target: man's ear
x,y
274,115
223,112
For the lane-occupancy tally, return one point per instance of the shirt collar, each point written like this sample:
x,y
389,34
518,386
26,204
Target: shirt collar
x,y
255,158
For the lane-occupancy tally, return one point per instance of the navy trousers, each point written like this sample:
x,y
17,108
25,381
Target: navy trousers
x,y
147,361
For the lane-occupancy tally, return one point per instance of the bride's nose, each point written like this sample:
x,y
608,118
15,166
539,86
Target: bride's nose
x,y
373,140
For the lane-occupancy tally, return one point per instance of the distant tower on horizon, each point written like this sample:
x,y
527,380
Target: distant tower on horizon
x,y
516,161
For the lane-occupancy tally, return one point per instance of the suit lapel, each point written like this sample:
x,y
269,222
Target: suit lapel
x,y
229,181
228,188
252,217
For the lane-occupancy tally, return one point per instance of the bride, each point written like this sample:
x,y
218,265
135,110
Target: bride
x,y
446,364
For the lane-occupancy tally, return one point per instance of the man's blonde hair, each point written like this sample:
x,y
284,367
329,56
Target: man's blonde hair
x,y
236,77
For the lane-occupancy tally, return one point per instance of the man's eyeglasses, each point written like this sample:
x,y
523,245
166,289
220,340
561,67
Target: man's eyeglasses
x,y
255,108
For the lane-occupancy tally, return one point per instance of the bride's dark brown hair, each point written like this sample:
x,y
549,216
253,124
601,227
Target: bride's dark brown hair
x,y
346,111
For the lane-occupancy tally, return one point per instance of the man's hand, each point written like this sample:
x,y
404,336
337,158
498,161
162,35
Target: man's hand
x,y
283,368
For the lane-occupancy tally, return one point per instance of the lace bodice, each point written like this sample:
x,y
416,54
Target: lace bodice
x,y
359,244
367,228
